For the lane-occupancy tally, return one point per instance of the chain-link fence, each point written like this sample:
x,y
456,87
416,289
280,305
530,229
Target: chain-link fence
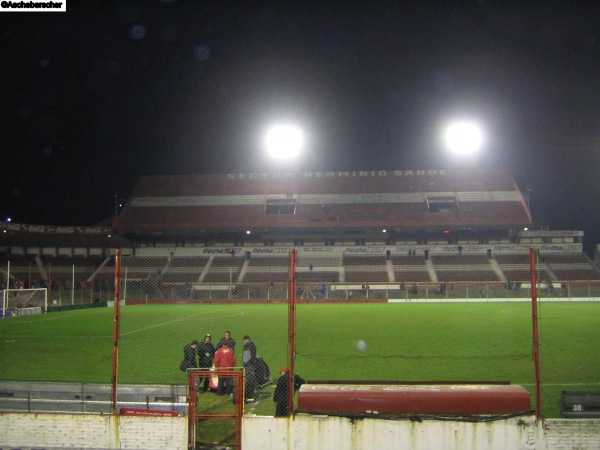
x,y
70,281
386,317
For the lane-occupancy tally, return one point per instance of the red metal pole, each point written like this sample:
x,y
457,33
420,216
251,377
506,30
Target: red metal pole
x,y
115,355
192,410
292,330
536,347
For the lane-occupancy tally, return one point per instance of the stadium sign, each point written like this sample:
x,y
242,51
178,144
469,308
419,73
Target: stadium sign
x,y
270,250
51,229
548,233
336,174
395,249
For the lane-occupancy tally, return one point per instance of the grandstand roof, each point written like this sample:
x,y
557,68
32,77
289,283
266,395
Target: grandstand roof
x,y
401,200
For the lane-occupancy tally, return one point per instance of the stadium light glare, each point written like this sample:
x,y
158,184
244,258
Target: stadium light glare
x,y
463,137
284,141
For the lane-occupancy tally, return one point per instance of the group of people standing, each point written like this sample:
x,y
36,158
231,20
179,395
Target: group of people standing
x,y
221,356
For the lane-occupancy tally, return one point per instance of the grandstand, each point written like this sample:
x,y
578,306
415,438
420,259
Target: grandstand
x,y
228,235
323,207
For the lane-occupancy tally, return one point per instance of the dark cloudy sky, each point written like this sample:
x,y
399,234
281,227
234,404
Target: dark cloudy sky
x,y
108,91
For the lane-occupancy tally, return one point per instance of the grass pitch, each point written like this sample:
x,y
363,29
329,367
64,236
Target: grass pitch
x,y
449,342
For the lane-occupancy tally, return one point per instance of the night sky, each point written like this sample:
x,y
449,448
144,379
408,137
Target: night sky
x,y
98,96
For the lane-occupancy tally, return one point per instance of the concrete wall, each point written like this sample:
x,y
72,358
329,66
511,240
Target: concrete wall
x,y
96,431
569,434
92,431
305,432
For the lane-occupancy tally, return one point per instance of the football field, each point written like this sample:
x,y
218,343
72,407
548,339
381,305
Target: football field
x,y
402,342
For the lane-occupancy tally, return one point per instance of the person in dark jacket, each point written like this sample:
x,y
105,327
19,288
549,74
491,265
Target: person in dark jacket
x,y
249,353
189,356
227,339
280,396
206,353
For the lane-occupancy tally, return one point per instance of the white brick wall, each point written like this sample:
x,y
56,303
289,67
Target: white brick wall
x,y
100,432
570,434
92,431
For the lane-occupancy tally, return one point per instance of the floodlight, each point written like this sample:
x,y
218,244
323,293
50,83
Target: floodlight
x,y
463,137
284,141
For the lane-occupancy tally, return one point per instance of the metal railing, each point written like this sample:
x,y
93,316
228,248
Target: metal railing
x,y
565,290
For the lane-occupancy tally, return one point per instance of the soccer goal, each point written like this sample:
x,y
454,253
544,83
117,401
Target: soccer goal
x,y
24,301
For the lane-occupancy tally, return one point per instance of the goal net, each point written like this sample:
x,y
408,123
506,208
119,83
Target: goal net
x,y
24,301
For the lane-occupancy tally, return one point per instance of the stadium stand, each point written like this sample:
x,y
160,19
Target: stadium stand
x,y
388,229
330,202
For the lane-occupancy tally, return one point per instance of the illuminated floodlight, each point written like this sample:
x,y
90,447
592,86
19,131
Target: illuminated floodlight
x,y
463,137
284,141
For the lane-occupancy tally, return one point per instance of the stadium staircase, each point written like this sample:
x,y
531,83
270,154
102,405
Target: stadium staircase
x,y
390,270
550,272
497,270
431,270
243,271
40,266
206,269
100,269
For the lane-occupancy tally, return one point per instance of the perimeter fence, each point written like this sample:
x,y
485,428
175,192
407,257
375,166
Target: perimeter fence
x,y
357,319
353,326
83,281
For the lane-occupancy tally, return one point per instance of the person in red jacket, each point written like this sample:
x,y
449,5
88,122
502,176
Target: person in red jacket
x,y
224,359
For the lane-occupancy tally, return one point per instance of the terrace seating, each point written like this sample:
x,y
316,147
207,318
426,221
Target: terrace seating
x,y
511,259
351,260
266,277
366,276
410,276
184,269
576,273
475,274
269,261
570,266
305,261
143,267
524,274
453,260
221,277
564,258
515,267
400,260
22,267
226,262
318,277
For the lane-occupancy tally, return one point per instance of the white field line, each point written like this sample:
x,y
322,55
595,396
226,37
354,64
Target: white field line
x,y
46,318
195,316
239,313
